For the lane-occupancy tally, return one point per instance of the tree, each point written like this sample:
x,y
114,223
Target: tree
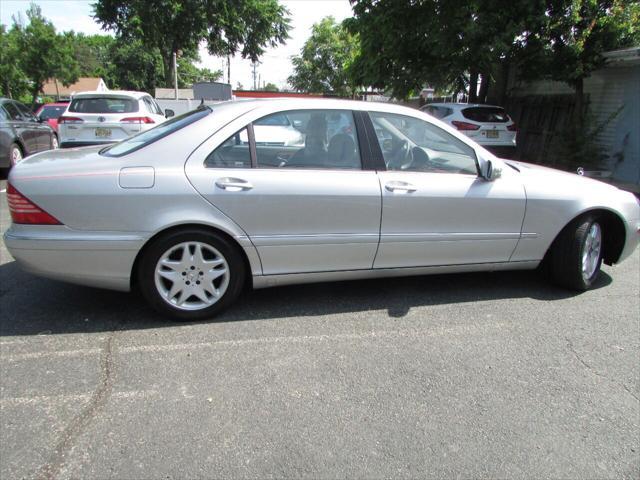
x,y
576,34
325,60
271,87
171,26
14,80
43,54
449,44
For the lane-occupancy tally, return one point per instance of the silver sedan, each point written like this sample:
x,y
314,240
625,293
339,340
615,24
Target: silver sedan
x,y
195,209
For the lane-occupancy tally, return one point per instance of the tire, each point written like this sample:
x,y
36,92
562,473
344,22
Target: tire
x,y
184,287
576,255
55,144
15,155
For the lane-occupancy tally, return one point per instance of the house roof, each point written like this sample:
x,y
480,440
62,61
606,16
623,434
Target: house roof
x,y
83,84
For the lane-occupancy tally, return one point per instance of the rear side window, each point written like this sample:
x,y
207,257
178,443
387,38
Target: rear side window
x,y
486,114
104,105
143,139
233,153
316,139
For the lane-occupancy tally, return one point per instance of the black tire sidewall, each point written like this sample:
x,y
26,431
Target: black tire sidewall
x,y
152,253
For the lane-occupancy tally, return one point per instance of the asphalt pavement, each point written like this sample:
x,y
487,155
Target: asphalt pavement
x,y
475,375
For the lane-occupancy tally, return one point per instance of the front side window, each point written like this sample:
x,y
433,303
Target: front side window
x,y
316,139
232,153
104,105
14,113
411,144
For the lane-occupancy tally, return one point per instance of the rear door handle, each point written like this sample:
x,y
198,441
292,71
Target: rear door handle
x,y
400,187
233,184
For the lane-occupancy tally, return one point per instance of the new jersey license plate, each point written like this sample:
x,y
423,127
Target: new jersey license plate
x,y
103,132
492,134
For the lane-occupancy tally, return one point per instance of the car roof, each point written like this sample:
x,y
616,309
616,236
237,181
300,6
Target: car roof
x,y
111,93
56,104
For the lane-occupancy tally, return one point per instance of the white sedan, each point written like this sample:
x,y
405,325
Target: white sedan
x,y
191,213
97,118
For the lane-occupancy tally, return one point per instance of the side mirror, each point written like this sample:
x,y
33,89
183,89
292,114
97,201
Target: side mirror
x,y
490,171
168,113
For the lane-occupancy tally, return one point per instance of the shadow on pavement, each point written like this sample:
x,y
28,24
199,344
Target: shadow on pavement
x,y
32,305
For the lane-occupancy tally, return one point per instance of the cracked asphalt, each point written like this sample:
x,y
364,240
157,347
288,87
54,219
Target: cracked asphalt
x,y
482,375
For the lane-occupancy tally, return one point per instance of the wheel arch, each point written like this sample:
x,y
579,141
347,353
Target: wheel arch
x,y
614,233
202,226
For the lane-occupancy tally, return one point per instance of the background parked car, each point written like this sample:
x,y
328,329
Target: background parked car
x,y
21,133
51,112
488,125
94,118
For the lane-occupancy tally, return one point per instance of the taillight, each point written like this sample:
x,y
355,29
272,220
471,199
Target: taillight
x,y
512,127
24,210
464,125
137,120
64,119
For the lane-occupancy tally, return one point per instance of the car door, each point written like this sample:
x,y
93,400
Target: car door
x,y
41,130
304,200
26,134
436,209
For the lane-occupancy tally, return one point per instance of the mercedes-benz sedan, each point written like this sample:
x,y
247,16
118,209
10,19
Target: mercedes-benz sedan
x,y
190,213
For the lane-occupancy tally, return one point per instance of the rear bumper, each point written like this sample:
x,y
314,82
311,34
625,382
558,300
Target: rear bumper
x,y
96,259
84,144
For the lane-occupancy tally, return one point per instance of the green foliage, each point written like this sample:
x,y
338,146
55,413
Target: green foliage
x,y
447,43
37,53
15,83
325,61
270,87
171,26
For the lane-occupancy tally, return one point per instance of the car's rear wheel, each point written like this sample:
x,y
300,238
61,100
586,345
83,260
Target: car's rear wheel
x,y
576,255
54,142
15,155
191,274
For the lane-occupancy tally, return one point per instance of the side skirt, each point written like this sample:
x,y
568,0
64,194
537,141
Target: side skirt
x,y
265,281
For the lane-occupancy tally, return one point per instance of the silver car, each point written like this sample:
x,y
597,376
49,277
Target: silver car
x,y
190,213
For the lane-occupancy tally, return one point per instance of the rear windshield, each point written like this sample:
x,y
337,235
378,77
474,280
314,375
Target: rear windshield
x,y
52,111
104,105
143,139
486,114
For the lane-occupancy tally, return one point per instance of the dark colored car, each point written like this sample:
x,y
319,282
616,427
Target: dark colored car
x,y
21,133
51,112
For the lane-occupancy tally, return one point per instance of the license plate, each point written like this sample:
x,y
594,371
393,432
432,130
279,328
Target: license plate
x,y
492,134
103,132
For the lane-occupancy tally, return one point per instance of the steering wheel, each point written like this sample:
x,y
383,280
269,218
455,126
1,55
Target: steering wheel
x,y
403,156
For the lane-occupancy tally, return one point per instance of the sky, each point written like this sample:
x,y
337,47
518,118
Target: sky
x,y
276,63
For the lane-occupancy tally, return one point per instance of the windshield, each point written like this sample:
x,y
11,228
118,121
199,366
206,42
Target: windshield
x,y
156,133
104,105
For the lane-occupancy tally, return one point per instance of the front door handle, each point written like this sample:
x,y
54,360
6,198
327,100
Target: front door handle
x,y
233,184
400,187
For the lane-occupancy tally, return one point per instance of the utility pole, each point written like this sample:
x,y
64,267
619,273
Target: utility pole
x,y
254,75
175,74
229,69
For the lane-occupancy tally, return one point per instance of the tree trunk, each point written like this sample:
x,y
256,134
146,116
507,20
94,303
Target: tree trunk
x,y
484,88
578,112
473,86
35,92
167,64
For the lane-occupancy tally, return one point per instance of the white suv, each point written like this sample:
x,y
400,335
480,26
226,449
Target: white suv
x,y
95,118
488,125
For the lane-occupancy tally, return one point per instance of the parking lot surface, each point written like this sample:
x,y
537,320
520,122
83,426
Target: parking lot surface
x,y
482,375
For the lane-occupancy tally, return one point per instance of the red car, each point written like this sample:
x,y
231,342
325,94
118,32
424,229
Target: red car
x,y
51,112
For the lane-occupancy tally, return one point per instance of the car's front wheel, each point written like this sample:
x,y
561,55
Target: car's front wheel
x,y
576,255
54,142
191,274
